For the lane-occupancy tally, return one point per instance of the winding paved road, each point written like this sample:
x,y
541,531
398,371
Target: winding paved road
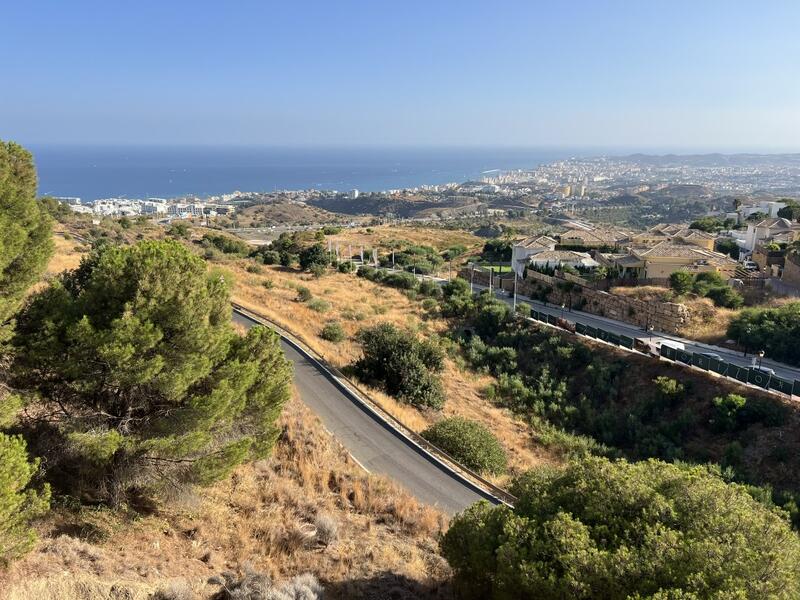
x,y
374,444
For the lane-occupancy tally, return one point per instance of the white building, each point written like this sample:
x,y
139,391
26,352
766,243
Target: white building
x,y
528,247
353,194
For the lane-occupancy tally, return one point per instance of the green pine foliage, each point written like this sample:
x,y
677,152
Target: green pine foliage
x,y
470,443
19,503
145,381
774,330
625,531
25,242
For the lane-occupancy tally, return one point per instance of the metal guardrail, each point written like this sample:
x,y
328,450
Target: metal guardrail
x,y
432,451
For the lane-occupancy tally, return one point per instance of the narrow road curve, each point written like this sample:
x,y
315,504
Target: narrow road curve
x,y
374,444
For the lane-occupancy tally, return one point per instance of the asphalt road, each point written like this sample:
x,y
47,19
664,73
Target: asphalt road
x,y
374,444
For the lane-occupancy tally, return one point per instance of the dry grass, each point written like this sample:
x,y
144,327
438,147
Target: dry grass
x,y
309,508
67,255
357,303
430,236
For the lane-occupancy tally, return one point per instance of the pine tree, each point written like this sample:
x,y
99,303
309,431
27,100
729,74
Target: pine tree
x,y
25,243
18,505
146,382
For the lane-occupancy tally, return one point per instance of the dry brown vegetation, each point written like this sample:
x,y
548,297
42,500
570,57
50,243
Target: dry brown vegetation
x,y
356,303
309,508
440,239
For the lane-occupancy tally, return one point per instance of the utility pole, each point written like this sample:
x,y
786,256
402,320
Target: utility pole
x,y
515,292
471,276
392,259
491,272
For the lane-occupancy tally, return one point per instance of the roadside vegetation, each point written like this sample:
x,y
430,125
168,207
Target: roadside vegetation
x,y
617,530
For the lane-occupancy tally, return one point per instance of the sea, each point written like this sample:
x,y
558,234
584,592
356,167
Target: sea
x,y
92,172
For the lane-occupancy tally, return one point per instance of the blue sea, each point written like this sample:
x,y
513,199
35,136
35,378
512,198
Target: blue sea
x,y
92,172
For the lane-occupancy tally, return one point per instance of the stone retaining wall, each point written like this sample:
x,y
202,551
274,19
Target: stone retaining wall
x,y
668,317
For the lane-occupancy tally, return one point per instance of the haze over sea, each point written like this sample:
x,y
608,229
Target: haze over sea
x,y
92,172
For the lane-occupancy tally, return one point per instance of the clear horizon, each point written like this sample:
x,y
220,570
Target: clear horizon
x,y
715,77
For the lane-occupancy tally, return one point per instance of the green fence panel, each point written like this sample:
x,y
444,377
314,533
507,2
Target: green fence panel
x,y
543,317
535,314
591,331
626,341
740,373
668,352
703,362
758,378
552,319
721,367
613,338
602,334
796,388
684,356
782,385
580,328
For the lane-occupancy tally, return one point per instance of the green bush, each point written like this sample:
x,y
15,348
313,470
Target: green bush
x,y
470,443
268,284
428,287
681,282
404,281
725,297
270,257
314,256
727,410
774,330
287,259
304,294
319,305
623,531
346,267
226,244
19,503
143,378
255,269
333,332
405,366
430,304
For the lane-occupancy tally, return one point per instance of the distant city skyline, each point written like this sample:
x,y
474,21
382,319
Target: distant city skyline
x,y
616,76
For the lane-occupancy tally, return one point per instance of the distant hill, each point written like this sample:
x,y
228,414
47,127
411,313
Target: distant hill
x,y
713,160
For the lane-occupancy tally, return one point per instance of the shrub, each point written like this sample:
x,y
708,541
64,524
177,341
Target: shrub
x,y
319,305
270,257
618,531
404,281
346,267
774,330
315,255
333,332
142,376
430,304
18,502
331,229
681,282
523,310
287,259
428,287
406,366
727,410
303,294
317,270
268,284
255,269
226,244
327,529
725,297
470,443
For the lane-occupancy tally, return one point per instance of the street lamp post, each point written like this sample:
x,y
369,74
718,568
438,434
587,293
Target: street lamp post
x,y
650,332
760,356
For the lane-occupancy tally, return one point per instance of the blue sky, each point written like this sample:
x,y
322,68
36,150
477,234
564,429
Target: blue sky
x,y
638,74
